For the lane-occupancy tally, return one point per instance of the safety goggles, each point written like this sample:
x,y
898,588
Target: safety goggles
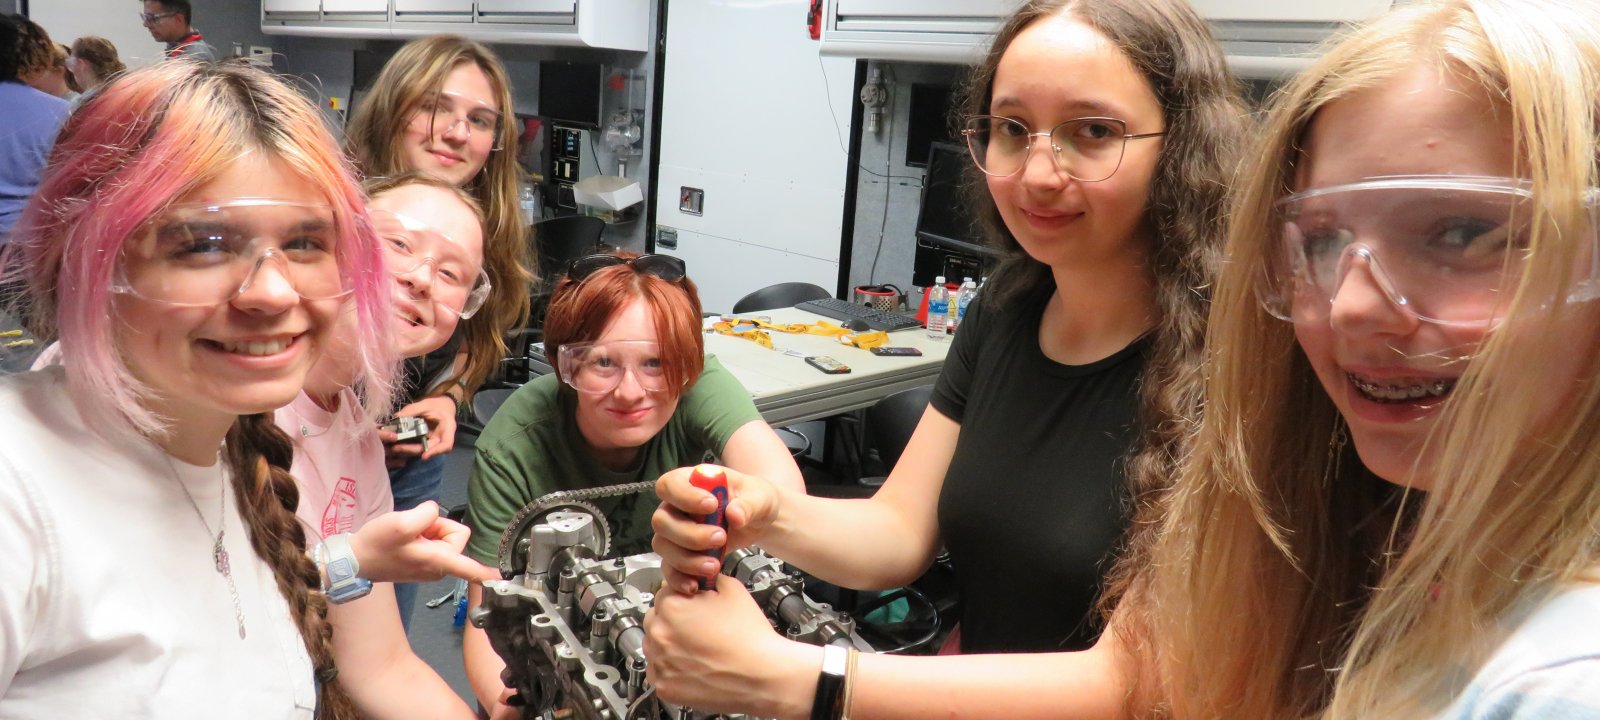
x,y
446,111
598,368
666,267
1446,249
1087,149
427,261
204,254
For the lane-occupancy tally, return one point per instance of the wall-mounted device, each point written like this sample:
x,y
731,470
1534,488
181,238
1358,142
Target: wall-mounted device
x,y
566,157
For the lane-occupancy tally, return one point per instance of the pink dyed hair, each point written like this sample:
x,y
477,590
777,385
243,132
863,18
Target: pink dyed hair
x,y
143,142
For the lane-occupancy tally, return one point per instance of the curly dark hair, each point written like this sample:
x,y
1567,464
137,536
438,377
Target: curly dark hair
x,y
24,48
1205,118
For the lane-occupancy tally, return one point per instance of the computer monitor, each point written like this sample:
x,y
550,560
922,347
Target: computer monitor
x,y
944,216
949,242
570,92
928,122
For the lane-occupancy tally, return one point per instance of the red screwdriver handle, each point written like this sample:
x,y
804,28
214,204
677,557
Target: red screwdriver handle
x,y
711,479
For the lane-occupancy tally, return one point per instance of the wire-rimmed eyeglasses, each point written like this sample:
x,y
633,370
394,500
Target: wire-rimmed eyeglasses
x,y
1088,149
445,111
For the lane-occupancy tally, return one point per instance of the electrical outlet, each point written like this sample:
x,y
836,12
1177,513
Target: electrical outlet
x,y
566,170
261,56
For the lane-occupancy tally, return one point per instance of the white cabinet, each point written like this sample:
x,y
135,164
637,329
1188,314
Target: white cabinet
x,y
291,6
433,10
529,11
1262,38
603,24
356,7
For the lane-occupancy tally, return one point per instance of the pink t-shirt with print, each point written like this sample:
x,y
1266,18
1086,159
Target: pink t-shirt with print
x,y
338,464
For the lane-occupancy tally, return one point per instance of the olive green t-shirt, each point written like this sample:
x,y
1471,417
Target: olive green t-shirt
x,y
532,447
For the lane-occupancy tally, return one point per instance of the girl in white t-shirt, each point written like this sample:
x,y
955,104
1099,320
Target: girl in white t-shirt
x,y
191,244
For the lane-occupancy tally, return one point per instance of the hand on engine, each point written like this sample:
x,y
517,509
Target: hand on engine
x,y
681,539
717,652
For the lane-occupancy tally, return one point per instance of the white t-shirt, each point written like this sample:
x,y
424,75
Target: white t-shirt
x,y
338,464
1548,668
110,603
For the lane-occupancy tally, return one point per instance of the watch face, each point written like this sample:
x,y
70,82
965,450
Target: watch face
x,y
339,570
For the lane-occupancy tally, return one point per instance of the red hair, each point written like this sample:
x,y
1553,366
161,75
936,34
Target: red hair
x,y
580,311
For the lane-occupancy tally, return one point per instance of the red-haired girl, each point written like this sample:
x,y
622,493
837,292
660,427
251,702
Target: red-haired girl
x,y
632,396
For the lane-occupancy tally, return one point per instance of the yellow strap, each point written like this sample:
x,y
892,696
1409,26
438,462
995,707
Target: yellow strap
x,y
866,340
755,330
744,330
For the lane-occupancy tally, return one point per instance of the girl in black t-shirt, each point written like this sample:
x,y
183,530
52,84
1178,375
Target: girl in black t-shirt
x,y
1103,137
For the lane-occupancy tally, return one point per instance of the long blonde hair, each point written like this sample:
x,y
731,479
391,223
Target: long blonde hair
x,y
1290,582
376,130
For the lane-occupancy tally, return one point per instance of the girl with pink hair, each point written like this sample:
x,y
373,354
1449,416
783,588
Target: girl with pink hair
x,y
193,237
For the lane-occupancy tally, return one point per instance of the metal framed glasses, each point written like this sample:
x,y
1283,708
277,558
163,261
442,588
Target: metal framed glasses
x,y
1450,250
427,261
203,254
1087,149
599,368
666,267
445,111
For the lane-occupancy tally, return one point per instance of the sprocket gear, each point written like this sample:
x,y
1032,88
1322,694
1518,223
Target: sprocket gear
x,y
512,557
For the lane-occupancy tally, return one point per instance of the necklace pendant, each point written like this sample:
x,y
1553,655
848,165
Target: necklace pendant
x,y
219,554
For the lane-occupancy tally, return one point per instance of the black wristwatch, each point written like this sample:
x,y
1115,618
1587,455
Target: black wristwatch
x,y
828,704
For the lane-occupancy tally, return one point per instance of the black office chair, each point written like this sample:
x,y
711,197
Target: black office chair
x,y
485,403
563,239
890,423
559,241
781,295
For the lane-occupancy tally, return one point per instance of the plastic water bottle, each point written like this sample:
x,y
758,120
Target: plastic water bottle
x,y
938,309
529,200
969,290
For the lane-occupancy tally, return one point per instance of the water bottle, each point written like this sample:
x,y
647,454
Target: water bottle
x,y
529,200
952,310
969,290
938,309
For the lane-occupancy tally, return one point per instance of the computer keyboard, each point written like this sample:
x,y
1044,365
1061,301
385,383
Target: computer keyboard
x,y
847,311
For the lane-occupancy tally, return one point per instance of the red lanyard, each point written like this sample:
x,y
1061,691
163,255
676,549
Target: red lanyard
x,y
178,49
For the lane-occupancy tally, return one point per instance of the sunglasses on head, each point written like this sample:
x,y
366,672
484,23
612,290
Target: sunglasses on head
x,y
666,267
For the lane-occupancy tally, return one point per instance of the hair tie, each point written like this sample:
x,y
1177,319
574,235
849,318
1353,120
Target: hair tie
x,y
327,675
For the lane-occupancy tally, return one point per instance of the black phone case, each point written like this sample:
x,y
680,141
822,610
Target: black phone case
x,y
896,351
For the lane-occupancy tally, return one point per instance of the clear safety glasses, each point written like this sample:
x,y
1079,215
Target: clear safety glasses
x,y
1087,149
445,111
1446,249
202,254
598,368
427,261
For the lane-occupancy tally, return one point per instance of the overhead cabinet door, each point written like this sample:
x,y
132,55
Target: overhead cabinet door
x,y
432,8
544,12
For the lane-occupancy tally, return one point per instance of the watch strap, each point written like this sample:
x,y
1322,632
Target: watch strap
x,y
341,571
828,703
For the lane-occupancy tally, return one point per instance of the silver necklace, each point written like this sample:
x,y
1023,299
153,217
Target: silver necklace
x,y
219,554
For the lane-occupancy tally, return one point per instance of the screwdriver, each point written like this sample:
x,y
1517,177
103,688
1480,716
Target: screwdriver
x,y
711,479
